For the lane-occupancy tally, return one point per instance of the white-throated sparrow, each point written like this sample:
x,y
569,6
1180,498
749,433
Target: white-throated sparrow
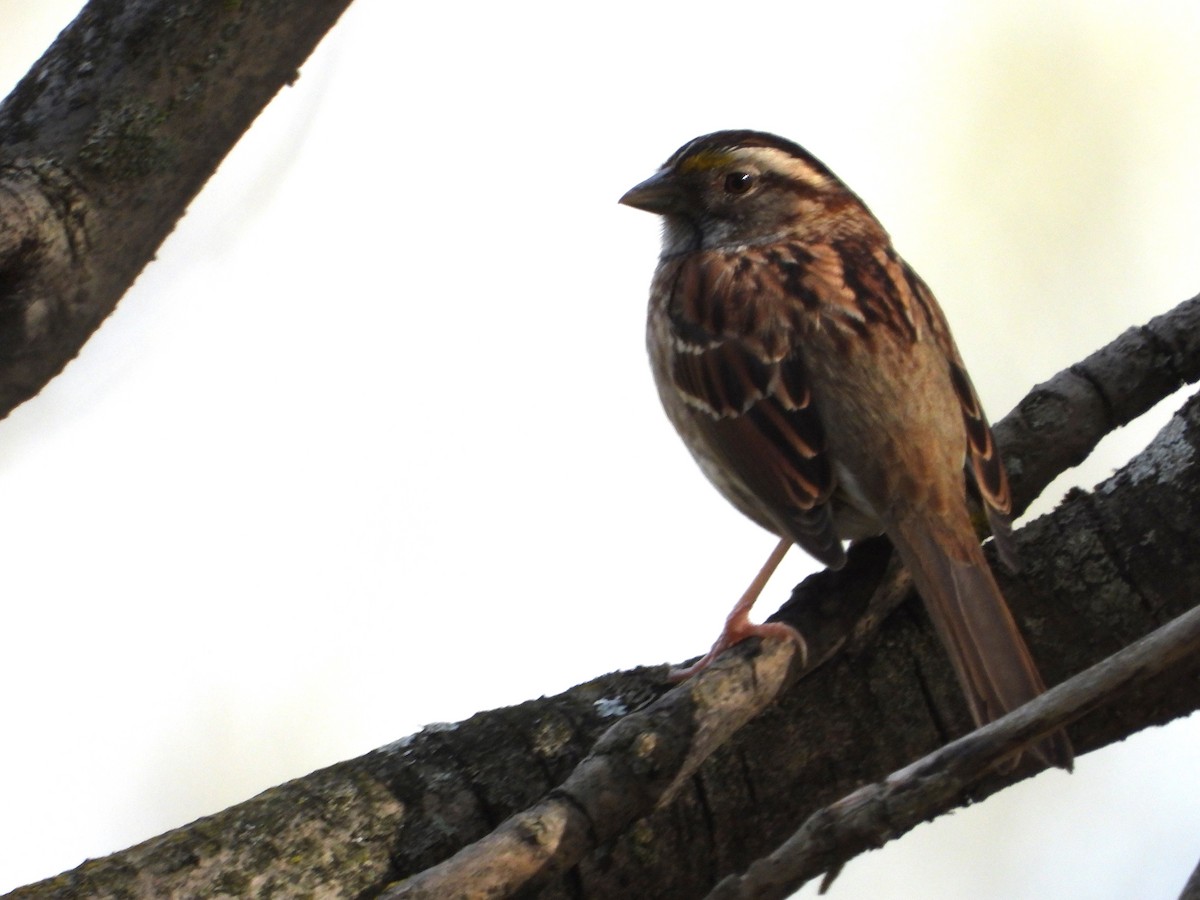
x,y
813,377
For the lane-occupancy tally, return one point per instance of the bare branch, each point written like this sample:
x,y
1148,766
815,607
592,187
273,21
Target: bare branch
x,y
885,810
638,763
1058,423
106,141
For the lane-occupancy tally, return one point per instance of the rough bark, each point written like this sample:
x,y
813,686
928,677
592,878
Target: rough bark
x,y
1101,571
1059,422
886,809
105,142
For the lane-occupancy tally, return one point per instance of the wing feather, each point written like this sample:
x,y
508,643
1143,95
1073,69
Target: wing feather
x,y
736,361
983,463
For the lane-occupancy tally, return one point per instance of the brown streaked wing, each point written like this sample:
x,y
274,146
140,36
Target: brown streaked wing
x,y
876,291
734,360
984,463
990,477
722,380
794,487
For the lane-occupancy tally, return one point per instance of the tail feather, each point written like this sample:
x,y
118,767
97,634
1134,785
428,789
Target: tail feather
x,y
994,667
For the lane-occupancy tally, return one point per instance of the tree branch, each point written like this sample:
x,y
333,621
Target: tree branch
x,y
880,812
1058,423
106,141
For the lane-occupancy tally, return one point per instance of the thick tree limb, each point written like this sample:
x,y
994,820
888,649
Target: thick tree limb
x,y
638,764
106,141
880,812
1102,570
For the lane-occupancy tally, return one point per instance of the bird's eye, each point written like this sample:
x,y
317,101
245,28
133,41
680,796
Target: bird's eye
x,y
738,182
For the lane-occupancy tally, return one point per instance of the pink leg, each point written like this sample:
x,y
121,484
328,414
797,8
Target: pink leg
x,y
738,626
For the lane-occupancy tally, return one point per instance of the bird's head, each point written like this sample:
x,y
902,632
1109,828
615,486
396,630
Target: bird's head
x,y
740,188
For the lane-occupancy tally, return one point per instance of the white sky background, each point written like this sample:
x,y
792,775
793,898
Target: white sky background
x,y
374,443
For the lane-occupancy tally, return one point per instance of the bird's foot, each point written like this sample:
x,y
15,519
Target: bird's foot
x,y
735,632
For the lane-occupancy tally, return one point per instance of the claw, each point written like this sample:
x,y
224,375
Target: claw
x,y
738,626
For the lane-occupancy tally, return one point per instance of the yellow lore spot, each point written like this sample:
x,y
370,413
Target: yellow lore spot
x,y
706,161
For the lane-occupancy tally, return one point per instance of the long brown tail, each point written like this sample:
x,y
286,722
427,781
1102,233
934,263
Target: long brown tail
x,y
991,660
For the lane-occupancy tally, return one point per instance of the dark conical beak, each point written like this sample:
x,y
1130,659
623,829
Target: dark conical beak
x,y
657,194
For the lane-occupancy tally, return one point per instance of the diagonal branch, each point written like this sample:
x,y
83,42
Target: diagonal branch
x,y
104,144
1058,423
880,812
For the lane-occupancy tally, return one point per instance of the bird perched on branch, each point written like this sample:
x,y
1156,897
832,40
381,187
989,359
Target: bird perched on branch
x,y
813,377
